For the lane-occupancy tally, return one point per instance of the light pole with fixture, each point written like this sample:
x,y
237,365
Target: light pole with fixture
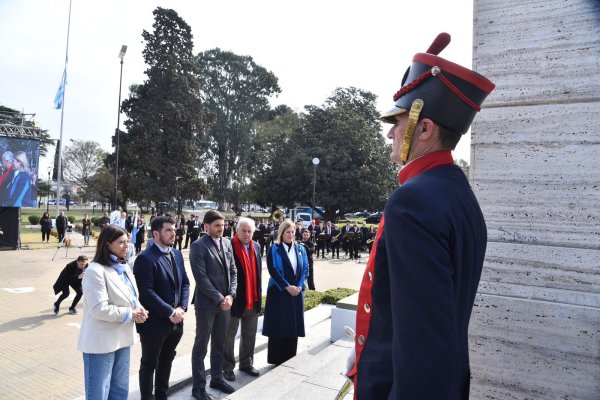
x,y
177,178
315,162
121,56
48,195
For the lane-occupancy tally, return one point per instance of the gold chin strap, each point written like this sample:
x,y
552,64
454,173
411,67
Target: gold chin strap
x,y
413,118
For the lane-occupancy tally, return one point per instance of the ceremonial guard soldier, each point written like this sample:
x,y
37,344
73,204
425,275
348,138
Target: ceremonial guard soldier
x,y
419,286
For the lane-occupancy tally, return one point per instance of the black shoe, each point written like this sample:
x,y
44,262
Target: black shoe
x,y
72,310
222,386
250,371
229,375
200,394
55,309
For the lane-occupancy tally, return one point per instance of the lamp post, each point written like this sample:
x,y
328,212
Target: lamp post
x,y
121,56
315,162
48,195
177,178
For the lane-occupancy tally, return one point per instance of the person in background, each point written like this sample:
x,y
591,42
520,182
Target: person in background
x,y
86,229
283,321
247,305
140,234
46,225
179,232
110,309
61,226
309,246
105,220
71,275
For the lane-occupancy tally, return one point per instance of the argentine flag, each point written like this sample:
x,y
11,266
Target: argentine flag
x,y
60,94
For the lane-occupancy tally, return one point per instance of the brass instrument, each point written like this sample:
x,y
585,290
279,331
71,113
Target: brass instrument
x,y
277,214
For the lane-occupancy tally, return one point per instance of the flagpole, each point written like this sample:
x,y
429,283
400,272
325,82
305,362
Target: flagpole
x,y
62,115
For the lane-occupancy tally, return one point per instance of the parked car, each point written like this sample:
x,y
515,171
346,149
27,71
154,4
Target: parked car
x,y
362,214
374,218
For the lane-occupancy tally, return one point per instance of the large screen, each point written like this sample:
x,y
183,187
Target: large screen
x,y
18,180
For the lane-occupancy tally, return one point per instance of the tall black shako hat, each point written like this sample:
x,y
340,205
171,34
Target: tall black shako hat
x,y
443,91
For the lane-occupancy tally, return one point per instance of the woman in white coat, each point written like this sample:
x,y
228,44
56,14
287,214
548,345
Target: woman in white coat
x,y
110,308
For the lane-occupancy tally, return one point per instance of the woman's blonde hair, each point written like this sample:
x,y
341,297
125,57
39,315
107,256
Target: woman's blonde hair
x,y
22,158
287,223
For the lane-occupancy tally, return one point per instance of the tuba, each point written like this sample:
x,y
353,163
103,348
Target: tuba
x,y
277,214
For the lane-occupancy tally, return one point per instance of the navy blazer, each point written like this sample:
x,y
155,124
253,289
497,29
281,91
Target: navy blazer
x,y
157,290
239,305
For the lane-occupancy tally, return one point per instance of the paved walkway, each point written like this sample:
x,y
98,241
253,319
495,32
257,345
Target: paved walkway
x,y
38,350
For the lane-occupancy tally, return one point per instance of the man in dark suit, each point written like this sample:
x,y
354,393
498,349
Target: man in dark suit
x,y
213,266
71,275
189,224
61,226
418,290
247,304
164,291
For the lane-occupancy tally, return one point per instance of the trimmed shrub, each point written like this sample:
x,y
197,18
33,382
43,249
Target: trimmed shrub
x,y
34,219
71,219
332,296
95,220
312,298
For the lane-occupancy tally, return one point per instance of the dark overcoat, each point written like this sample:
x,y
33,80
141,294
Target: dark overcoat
x,y
427,266
284,313
157,288
239,305
69,276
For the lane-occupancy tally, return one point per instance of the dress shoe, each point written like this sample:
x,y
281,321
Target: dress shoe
x,y
250,371
55,308
200,394
222,386
229,375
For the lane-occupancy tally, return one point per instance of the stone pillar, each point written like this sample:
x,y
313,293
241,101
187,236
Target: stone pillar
x,y
535,168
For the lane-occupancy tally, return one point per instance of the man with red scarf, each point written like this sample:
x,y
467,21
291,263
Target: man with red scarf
x,y
247,304
419,286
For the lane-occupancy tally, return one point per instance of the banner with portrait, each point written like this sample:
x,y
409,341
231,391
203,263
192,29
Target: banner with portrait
x,y
19,171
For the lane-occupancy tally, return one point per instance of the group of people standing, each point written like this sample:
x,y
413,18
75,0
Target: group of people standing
x,y
152,294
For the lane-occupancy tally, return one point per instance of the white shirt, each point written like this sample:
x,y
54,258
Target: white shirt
x,y
291,253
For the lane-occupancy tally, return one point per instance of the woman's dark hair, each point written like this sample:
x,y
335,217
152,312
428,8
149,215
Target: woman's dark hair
x,y
108,234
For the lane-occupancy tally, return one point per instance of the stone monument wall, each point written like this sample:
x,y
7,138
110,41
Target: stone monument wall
x,y
535,168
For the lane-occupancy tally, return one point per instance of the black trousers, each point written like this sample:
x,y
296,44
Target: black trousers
x,y
279,350
178,240
158,352
61,234
310,279
65,293
45,235
335,249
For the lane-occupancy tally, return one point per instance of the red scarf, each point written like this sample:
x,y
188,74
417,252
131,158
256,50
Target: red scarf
x,y
5,174
249,265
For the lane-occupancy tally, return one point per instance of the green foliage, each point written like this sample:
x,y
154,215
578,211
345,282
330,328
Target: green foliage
x,y
83,162
312,298
355,171
34,219
237,91
166,119
332,296
95,220
71,218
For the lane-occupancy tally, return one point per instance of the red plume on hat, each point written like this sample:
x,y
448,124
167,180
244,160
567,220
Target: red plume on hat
x,y
451,94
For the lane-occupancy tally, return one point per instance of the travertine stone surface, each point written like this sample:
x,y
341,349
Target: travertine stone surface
x,y
535,168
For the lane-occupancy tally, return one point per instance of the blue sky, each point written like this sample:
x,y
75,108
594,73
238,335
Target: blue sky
x,y
312,47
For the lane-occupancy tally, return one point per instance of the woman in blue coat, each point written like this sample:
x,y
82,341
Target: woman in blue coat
x,y
284,309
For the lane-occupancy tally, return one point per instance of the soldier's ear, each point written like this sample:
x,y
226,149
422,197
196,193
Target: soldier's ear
x,y
426,129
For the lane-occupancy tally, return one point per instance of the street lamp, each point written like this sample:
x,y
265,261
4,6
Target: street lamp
x,y
177,178
121,56
315,162
48,195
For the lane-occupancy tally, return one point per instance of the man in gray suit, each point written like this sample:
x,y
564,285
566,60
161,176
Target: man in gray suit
x,y
213,266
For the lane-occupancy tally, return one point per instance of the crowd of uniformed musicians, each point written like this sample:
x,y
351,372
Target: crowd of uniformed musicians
x,y
326,238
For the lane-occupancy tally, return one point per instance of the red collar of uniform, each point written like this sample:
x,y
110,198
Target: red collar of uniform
x,y
423,163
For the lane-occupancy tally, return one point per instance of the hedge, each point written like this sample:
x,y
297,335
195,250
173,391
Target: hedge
x,y
33,219
313,298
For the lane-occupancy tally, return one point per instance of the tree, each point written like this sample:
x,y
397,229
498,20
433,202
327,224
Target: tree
x,y
237,91
82,160
166,118
464,166
355,171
